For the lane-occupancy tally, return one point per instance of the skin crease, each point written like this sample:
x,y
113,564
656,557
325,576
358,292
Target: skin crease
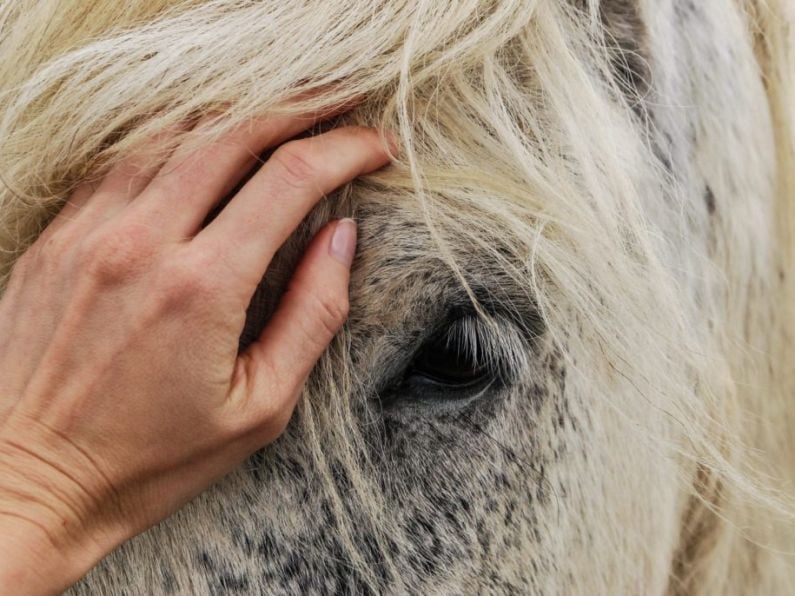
x,y
103,434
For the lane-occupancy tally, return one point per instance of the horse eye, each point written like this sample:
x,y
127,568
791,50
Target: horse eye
x,y
462,360
447,362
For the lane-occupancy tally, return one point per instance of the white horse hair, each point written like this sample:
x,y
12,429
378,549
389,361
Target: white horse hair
x,y
569,363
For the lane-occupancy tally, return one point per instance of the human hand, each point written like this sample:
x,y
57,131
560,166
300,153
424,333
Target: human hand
x,y
122,391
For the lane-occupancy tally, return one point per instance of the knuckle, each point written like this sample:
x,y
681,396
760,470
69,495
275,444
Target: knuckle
x,y
330,312
273,417
117,253
183,281
268,400
295,164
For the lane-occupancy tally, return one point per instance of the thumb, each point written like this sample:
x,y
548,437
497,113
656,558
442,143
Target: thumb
x,y
311,312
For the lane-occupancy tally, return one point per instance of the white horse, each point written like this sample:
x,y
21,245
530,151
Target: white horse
x,y
568,366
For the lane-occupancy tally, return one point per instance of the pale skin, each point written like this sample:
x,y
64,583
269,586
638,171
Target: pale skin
x,y
123,392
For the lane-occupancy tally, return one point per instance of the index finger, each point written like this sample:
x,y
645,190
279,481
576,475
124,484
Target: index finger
x,y
257,221
194,179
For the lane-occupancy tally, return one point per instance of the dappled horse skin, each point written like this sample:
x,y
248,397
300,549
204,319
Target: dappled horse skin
x,y
567,365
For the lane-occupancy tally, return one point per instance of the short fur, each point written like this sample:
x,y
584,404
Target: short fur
x,y
604,191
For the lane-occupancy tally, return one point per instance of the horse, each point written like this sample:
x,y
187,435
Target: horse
x,y
567,367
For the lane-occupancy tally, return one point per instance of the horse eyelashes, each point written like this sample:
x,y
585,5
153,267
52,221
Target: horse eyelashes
x,y
463,358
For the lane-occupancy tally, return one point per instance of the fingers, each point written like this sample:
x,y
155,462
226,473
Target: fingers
x,y
310,313
127,179
71,208
194,180
188,182
96,201
250,229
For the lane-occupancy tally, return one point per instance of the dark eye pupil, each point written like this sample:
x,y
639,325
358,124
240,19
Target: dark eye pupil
x,y
442,362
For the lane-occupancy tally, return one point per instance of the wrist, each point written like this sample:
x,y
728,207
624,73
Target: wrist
x,y
32,561
50,535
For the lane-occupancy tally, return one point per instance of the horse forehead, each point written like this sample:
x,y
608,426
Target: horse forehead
x,y
396,267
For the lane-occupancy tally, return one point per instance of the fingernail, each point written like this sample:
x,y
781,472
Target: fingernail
x,y
343,241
